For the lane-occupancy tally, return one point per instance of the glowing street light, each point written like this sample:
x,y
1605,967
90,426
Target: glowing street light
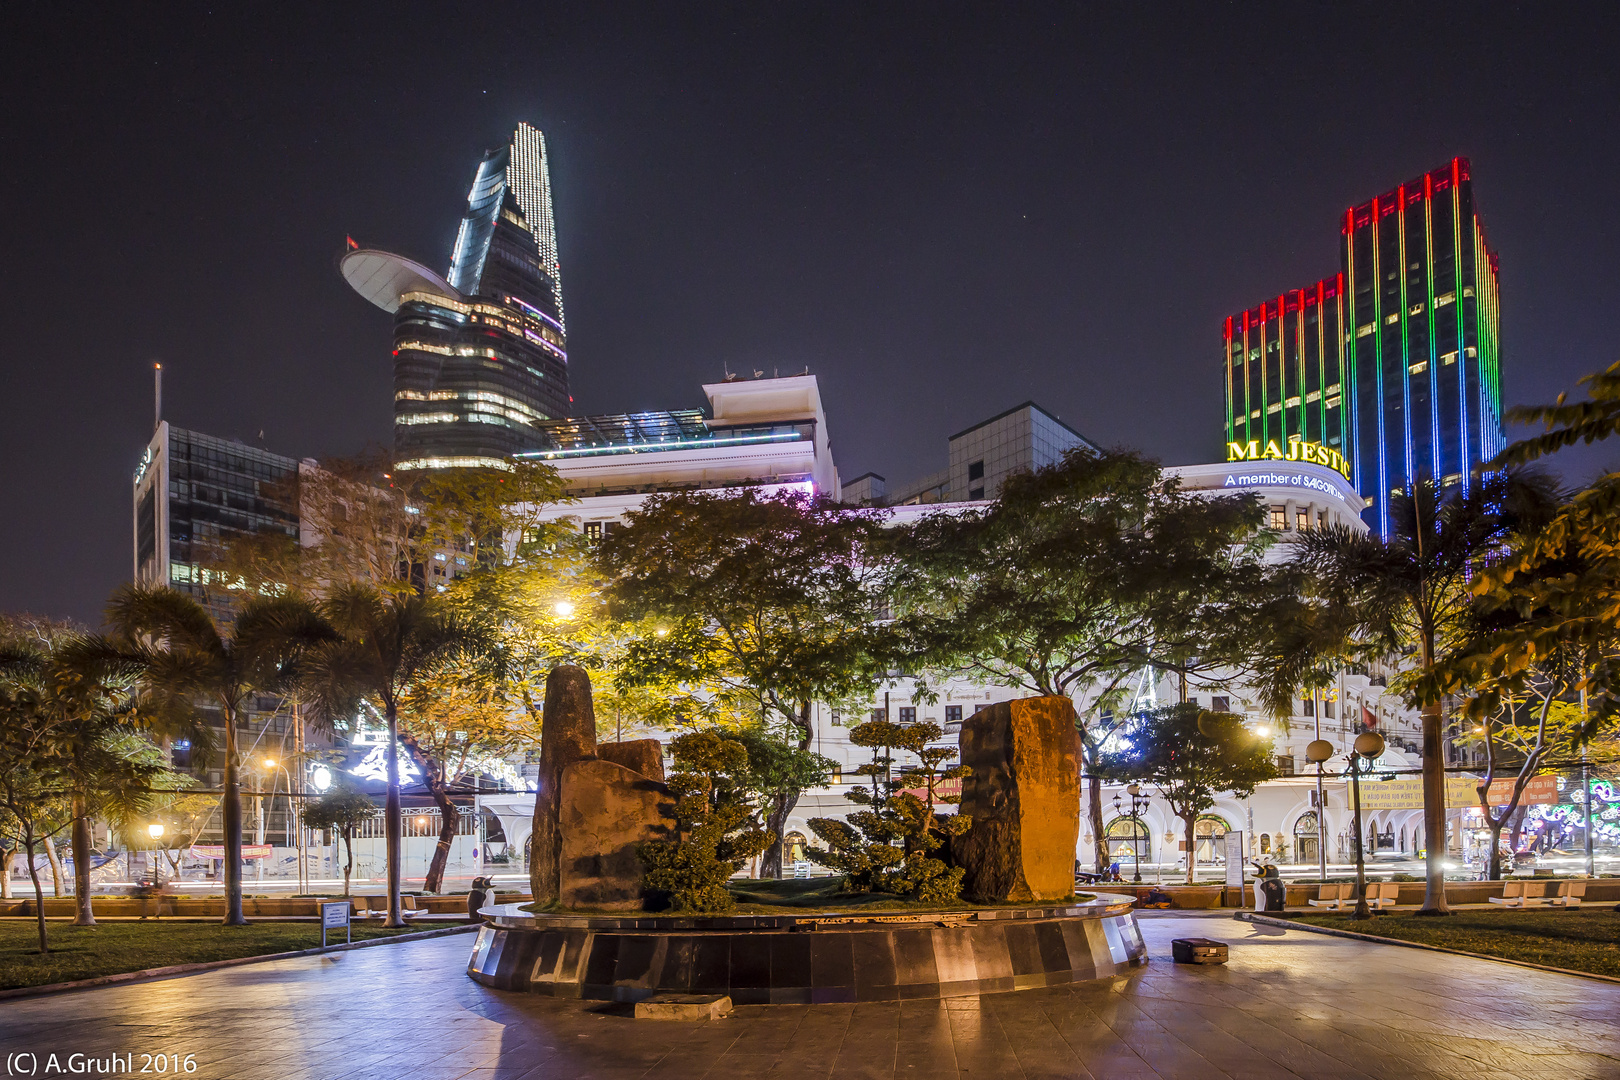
x,y
563,608
155,830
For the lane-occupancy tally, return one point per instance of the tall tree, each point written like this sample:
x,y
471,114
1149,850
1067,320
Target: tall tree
x,y
764,603
389,643
1082,575
188,661
1411,590
53,773
1190,762
458,724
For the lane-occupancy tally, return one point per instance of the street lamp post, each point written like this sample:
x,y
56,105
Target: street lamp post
x,y
1369,744
1318,752
155,831
1137,799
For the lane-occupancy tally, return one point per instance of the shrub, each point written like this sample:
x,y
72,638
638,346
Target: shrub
x,y
889,847
716,828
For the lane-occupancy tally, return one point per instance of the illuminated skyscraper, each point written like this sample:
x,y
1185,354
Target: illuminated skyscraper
x,y
480,358
1393,363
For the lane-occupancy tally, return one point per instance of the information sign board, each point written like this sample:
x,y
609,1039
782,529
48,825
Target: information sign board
x,y
333,915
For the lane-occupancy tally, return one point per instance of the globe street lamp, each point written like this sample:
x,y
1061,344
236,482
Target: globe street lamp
x,y
1137,799
1318,752
1369,745
155,831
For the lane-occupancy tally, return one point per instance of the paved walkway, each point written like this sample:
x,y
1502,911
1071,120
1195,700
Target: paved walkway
x,y
1290,1004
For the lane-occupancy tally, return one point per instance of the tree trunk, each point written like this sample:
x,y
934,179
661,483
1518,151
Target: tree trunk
x,y
1516,829
348,864
82,916
448,818
39,893
1099,843
232,818
58,878
392,822
1192,845
1434,812
5,872
1493,868
770,863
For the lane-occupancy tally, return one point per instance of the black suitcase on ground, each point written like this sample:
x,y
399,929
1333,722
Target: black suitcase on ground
x,y
1198,950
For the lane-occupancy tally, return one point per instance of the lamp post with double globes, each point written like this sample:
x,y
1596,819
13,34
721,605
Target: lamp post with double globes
x,y
1369,745
1137,801
1317,753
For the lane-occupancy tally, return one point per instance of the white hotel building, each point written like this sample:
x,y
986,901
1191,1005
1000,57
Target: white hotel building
x,y
772,433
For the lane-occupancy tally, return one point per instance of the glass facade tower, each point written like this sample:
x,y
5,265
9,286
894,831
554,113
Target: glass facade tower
x,y
1394,362
480,357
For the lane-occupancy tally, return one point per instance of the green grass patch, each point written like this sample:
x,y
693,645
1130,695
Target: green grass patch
x,y
112,948
1581,940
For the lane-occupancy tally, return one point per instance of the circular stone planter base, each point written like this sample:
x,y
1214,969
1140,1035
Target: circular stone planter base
x,y
809,958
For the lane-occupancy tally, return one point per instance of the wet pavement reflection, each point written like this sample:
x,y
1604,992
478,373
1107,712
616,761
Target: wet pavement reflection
x,y
1289,1004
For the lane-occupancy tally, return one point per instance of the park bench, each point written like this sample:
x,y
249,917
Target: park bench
x,y
376,907
1382,894
1334,897
1570,894
1521,894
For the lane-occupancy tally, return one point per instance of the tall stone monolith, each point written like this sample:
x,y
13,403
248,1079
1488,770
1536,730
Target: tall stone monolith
x,y
1023,794
567,735
607,811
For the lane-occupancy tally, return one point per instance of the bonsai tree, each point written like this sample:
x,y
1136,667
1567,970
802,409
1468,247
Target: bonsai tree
x,y
342,810
716,827
890,847
1190,756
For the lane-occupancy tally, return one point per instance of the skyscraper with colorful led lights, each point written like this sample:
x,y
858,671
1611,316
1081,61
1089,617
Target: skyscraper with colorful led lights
x,y
480,357
1391,369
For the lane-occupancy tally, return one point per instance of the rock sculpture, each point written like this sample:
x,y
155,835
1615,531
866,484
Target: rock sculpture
x,y
567,735
1023,794
606,811
645,756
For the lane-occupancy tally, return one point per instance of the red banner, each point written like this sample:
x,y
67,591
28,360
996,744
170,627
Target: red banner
x,y
217,851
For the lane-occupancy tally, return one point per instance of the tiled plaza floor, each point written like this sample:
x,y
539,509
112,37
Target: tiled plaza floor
x,y
1289,1004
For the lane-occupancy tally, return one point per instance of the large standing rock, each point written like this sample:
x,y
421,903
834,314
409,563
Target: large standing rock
x,y
1023,794
606,810
645,756
567,735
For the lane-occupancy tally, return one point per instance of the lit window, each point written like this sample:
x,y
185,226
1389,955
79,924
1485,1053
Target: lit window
x,y
1302,520
1293,402
1445,298
1449,358
1279,518
1391,320
1468,290
1364,331
1322,520
1470,351
438,556
1274,408
1419,368
1417,309
1313,396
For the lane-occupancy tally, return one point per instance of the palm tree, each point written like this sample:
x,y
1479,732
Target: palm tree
x,y
187,659
1410,591
389,640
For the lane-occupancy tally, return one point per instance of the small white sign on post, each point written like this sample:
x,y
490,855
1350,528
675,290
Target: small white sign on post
x,y
334,915
1234,860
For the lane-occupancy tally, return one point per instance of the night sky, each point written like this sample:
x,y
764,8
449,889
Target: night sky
x,y
942,210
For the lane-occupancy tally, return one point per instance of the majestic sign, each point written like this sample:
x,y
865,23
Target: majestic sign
x,y
1297,450
1406,792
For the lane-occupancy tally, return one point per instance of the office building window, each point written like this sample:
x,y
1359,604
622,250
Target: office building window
x,y
976,471
953,714
879,714
1279,518
908,715
975,494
